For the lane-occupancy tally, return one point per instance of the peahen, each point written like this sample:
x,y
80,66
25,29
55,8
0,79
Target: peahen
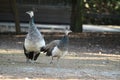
x,y
57,48
34,41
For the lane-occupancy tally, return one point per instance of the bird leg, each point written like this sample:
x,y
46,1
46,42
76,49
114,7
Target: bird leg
x,y
58,61
33,59
36,56
26,54
51,60
28,60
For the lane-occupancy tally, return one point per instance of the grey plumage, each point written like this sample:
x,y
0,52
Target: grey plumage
x,y
57,48
49,47
33,41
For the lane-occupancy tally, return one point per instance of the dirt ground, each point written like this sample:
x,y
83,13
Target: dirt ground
x,y
91,57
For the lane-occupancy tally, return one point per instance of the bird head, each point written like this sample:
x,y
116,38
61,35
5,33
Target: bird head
x,y
31,13
67,30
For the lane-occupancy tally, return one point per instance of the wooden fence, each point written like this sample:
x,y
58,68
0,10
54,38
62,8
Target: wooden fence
x,y
46,12
46,2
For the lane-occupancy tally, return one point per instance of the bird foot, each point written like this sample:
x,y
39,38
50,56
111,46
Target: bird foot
x,y
28,61
32,62
51,62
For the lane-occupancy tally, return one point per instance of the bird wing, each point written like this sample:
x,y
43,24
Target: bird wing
x,y
50,46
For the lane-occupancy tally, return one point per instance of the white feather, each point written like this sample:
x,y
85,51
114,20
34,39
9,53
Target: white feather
x,y
34,46
56,52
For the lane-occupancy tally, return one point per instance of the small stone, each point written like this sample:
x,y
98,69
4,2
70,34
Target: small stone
x,y
12,63
27,78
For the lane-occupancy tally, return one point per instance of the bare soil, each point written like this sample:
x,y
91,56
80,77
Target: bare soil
x,y
94,56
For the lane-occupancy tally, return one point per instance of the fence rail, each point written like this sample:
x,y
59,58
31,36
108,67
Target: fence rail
x,y
9,27
46,2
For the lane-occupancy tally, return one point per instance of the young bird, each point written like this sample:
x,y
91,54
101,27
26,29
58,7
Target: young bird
x,y
34,40
57,48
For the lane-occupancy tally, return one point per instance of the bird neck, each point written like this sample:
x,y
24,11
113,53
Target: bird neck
x,y
64,40
32,27
31,20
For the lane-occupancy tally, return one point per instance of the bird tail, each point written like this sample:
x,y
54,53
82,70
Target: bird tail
x,y
46,50
43,49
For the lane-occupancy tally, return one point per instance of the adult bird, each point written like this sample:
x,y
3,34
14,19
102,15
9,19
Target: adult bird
x,y
57,48
34,40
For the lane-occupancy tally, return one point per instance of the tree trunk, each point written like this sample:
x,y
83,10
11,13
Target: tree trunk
x,y
76,16
16,16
